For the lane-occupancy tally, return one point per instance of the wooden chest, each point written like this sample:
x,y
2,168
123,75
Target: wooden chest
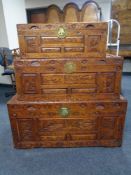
x,y
67,123
44,79
68,89
63,40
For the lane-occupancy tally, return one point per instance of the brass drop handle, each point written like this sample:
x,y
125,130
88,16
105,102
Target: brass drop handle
x,y
64,112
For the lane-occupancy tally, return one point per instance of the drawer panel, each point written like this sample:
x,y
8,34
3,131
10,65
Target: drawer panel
x,y
88,90
84,137
56,40
68,137
54,91
68,125
68,79
74,49
50,49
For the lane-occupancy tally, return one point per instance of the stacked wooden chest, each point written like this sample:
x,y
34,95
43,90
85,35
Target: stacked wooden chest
x,y
68,89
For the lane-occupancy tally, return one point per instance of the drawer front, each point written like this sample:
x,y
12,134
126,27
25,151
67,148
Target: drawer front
x,y
59,40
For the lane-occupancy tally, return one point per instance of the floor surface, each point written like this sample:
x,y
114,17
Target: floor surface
x,y
70,161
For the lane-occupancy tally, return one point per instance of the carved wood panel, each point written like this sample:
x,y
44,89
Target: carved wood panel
x,y
106,82
69,79
79,126
25,129
30,83
109,127
81,83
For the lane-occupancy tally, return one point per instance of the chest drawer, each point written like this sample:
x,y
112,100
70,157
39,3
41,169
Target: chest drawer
x,y
63,40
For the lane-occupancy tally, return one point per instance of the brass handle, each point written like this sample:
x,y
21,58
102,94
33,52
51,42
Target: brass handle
x,y
69,67
64,112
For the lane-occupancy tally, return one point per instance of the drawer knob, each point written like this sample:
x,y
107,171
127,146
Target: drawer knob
x,y
64,112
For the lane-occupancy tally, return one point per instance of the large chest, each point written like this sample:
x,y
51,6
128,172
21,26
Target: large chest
x,y
67,123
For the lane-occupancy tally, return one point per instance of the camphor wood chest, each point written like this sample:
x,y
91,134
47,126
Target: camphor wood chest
x,y
41,79
67,123
68,89
63,40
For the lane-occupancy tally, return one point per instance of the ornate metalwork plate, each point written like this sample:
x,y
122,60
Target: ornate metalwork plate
x,y
64,112
69,67
61,32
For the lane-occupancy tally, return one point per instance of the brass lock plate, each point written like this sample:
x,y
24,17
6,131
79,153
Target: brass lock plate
x,y
61,32
69,67
64,112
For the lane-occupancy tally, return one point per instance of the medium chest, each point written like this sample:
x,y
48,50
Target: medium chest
x,y
68,78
